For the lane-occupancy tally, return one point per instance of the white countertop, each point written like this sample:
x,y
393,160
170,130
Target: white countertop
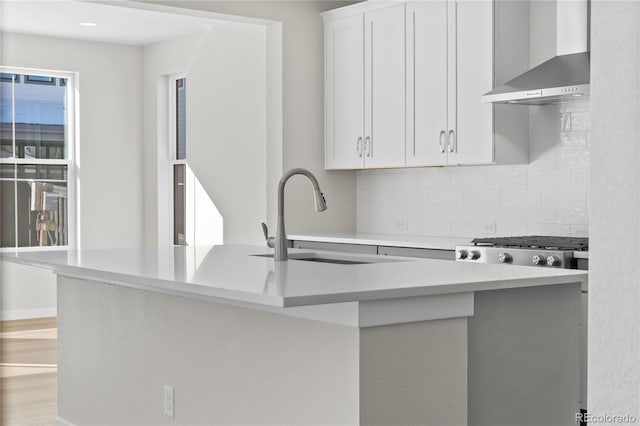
x,y
229,272
410,241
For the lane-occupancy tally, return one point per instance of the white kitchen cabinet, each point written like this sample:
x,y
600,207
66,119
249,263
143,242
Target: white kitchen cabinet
x,y
365,87
403,83
428,83
450,64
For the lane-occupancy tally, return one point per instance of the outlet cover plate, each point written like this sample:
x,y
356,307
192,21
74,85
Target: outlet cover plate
x,y
169,400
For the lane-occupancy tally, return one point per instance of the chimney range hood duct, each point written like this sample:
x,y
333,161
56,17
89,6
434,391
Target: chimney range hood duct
x,y
562,78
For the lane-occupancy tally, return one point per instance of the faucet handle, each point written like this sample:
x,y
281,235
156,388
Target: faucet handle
x,y
271,241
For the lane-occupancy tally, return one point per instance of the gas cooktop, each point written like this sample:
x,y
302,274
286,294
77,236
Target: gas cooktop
x,y
536,242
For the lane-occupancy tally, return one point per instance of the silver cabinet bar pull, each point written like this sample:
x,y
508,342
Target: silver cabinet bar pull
x,y
359,146
367,146
451,140
442,133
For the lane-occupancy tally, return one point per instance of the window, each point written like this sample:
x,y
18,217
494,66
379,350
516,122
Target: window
x,y
9,77
193,218
40,79
36,158
179,166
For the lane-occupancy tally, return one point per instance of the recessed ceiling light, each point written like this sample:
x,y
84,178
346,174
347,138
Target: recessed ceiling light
x,y
88,24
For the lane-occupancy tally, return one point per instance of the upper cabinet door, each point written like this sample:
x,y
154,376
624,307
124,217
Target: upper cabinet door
x,y
473,124
344,93
385,87
404,82
427,68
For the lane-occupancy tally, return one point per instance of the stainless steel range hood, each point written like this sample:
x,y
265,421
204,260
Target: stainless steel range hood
x,y
562,78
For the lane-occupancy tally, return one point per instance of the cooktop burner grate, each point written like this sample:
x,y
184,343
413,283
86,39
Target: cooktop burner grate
x,y
535,241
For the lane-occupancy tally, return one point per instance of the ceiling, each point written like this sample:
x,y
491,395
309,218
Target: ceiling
x,y
125,23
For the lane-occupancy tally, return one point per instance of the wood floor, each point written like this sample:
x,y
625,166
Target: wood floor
x,y
28,372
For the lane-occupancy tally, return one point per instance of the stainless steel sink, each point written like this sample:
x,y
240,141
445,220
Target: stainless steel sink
x,y
339,259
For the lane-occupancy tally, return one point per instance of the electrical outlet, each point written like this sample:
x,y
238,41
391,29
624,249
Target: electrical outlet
x,y
169,401
489,228
401,224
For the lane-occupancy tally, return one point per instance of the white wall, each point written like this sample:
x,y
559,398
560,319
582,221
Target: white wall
x,y
26,292
226,125
548,196
614,264
303,112
110,153
110,130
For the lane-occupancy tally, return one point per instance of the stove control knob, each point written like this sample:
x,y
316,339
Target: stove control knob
x,y
461,254
505,258
539,259
474,254
553,261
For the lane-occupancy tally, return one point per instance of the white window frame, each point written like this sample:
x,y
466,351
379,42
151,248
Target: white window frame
x,y
71,161
173,160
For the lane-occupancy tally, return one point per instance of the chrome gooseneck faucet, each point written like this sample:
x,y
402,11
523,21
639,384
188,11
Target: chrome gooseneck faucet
x,y
281,235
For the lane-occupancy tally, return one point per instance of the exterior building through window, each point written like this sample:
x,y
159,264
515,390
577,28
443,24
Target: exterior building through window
x,y
36,157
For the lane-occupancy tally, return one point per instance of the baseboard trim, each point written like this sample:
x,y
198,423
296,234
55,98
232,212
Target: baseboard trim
x,y
28,313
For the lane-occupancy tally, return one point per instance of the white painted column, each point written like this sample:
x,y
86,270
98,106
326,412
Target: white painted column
x,y
614,293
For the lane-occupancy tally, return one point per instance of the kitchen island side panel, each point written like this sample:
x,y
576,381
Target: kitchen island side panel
x,y
414,373
524,356
228,365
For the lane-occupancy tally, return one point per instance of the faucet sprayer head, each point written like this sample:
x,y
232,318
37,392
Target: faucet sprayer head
x,y
321,204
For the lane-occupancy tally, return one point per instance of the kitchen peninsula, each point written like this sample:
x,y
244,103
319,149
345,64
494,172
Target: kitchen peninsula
x,y
334,339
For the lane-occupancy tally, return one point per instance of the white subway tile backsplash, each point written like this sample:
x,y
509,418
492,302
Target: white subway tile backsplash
x,y
444,196
565,122
364,201
548,196
472,229
578,106
549,178
493,212
367,222
480,196
466,179
434,178
456,213
548,229
580,120
565,197
437,228
580,177
534,214
426,213
574,159
387,179
520,197
511,229
573,140
507,179
579,230
572,215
